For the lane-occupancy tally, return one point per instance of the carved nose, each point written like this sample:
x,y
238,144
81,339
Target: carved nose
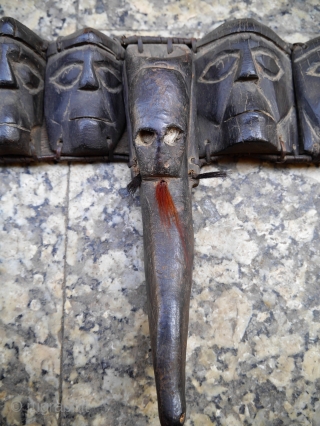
x,y
88,80
7,78
247,70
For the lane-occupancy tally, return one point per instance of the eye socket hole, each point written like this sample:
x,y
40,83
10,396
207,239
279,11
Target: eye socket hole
x,y
172,136
67,76
29,77
268,63
145,137
109,80
314,69
32,81
220,68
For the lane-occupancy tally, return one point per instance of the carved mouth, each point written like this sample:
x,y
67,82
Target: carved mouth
x,y
16,126
88,117
259,111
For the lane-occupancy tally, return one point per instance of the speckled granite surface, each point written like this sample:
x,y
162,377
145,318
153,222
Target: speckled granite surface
x,y
72,273
32,247
294,20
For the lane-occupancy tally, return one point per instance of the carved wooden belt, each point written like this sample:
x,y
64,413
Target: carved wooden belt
x,y
167,106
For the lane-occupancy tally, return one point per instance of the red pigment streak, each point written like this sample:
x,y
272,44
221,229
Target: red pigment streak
x,y
168,212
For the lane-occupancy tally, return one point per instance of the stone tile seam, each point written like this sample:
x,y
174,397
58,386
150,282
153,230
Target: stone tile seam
x,y
64,284
77,7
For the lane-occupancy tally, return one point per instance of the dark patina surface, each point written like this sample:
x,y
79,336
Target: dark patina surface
x,y
158,107
22,70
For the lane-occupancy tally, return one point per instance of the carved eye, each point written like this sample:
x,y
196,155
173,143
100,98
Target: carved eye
x,y
109,80
29,77
145,137
172,136
314,69
268,64
220,68
67,76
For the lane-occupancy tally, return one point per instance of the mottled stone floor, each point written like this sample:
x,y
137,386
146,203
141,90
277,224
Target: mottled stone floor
x,y
73,327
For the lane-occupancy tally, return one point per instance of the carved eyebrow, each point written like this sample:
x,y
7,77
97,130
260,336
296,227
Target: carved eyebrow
x,y
93,48
54,69
226,51
105,62
229,51
70,61
264,49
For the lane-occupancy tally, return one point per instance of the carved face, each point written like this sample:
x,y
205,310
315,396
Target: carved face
x,y
84,105
159,112
244,89
21,89
306,67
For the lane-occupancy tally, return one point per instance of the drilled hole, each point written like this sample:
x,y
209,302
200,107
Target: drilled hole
x,y
172,135
145,137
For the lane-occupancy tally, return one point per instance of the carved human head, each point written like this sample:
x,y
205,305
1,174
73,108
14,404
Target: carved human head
x,y
22,70
84,106
306,71
159,108
245,100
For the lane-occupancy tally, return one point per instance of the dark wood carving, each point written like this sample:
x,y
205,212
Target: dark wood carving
x,y
245,99
22,70
306,71
241,103
158,105
186,104
84,106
